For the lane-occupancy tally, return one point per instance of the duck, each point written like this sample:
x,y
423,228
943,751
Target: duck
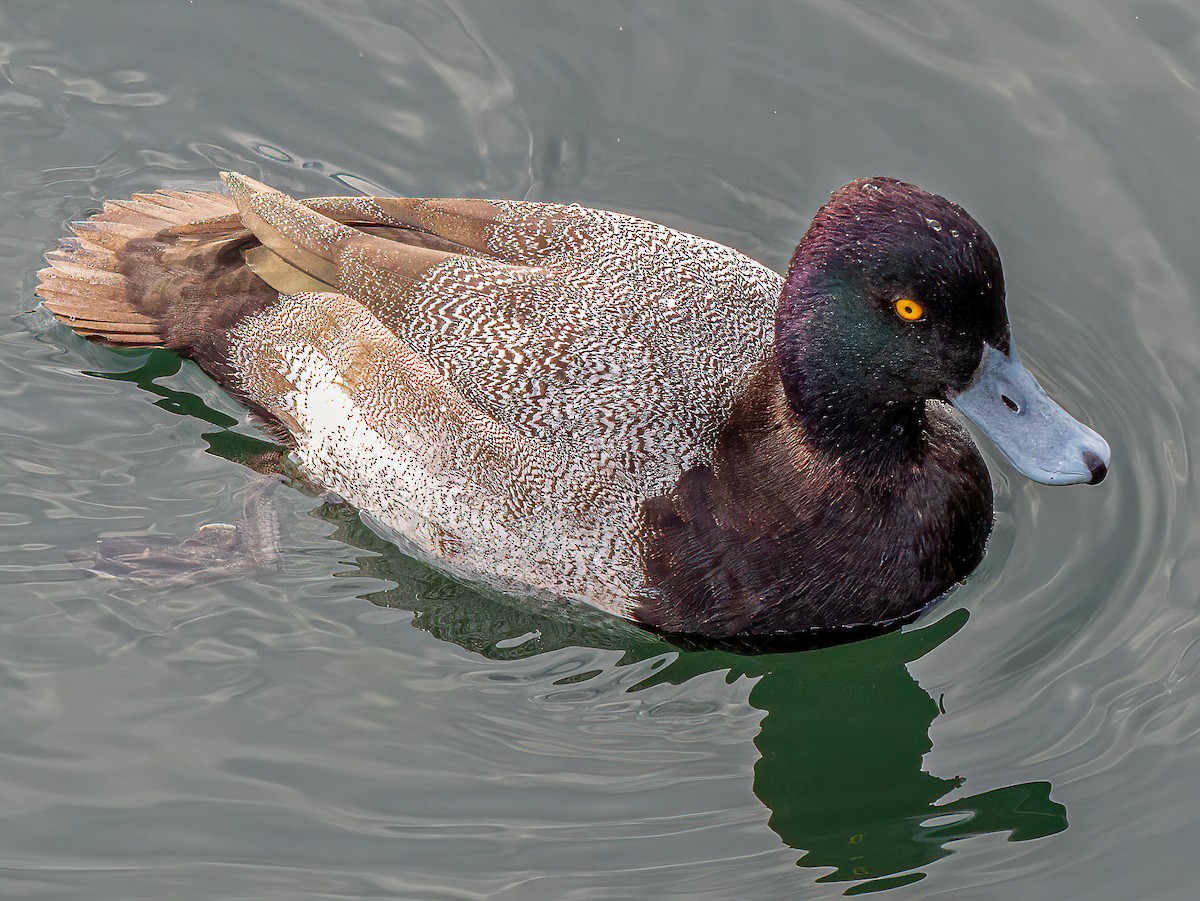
x,y
571,403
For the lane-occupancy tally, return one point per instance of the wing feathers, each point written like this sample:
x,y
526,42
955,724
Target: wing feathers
x,y
303,238
318,245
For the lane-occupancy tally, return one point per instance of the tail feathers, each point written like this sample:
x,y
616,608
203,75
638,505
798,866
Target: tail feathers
x,y
118,280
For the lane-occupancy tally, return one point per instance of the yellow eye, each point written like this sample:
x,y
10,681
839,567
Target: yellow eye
x,y
909,310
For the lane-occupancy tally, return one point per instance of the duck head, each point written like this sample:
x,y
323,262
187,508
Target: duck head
x,y
894,297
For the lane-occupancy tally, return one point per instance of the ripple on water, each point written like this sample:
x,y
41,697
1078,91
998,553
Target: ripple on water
x,y
276,735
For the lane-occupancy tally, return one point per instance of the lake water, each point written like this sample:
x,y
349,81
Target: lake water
x,y
355,725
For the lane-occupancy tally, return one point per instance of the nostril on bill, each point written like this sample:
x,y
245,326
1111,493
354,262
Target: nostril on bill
x,y
1010,403
1095,466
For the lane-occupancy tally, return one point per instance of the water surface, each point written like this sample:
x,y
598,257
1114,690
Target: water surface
x,y
355,725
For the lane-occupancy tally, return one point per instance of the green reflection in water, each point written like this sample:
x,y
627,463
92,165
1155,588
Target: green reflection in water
x,y
841,766
162,364
846,728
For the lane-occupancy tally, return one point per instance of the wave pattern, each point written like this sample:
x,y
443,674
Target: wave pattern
x,y
358,726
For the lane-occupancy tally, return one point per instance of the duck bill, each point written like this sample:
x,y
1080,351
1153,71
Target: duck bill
x,y
1035,434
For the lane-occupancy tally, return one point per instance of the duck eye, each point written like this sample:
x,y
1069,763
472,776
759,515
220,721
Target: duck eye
x,y
909,310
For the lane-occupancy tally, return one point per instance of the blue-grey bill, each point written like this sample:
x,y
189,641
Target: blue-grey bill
x,y
1037,436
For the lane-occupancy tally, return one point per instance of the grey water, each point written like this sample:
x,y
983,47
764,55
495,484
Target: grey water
x,y
351,724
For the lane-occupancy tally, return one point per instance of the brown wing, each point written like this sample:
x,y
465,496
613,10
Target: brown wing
x,y
571,325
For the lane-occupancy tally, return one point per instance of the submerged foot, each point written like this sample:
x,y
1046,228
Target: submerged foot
x,y
216,550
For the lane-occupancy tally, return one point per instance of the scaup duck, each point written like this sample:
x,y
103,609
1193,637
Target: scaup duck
x,y
581,404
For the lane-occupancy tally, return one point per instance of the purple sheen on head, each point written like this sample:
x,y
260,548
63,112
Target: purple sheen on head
x,y
841,347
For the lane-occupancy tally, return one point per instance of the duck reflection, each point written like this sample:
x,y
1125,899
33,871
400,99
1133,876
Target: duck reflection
x,y
841,761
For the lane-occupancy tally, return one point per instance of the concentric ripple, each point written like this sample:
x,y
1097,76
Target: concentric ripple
x,y
356,725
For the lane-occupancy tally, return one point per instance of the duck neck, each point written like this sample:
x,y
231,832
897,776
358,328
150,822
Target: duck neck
x,y
846,420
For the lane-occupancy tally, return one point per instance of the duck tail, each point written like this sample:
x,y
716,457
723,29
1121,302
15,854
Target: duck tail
x,y
158,270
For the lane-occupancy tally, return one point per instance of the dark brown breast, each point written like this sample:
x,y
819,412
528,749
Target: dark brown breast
x,y
777,536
